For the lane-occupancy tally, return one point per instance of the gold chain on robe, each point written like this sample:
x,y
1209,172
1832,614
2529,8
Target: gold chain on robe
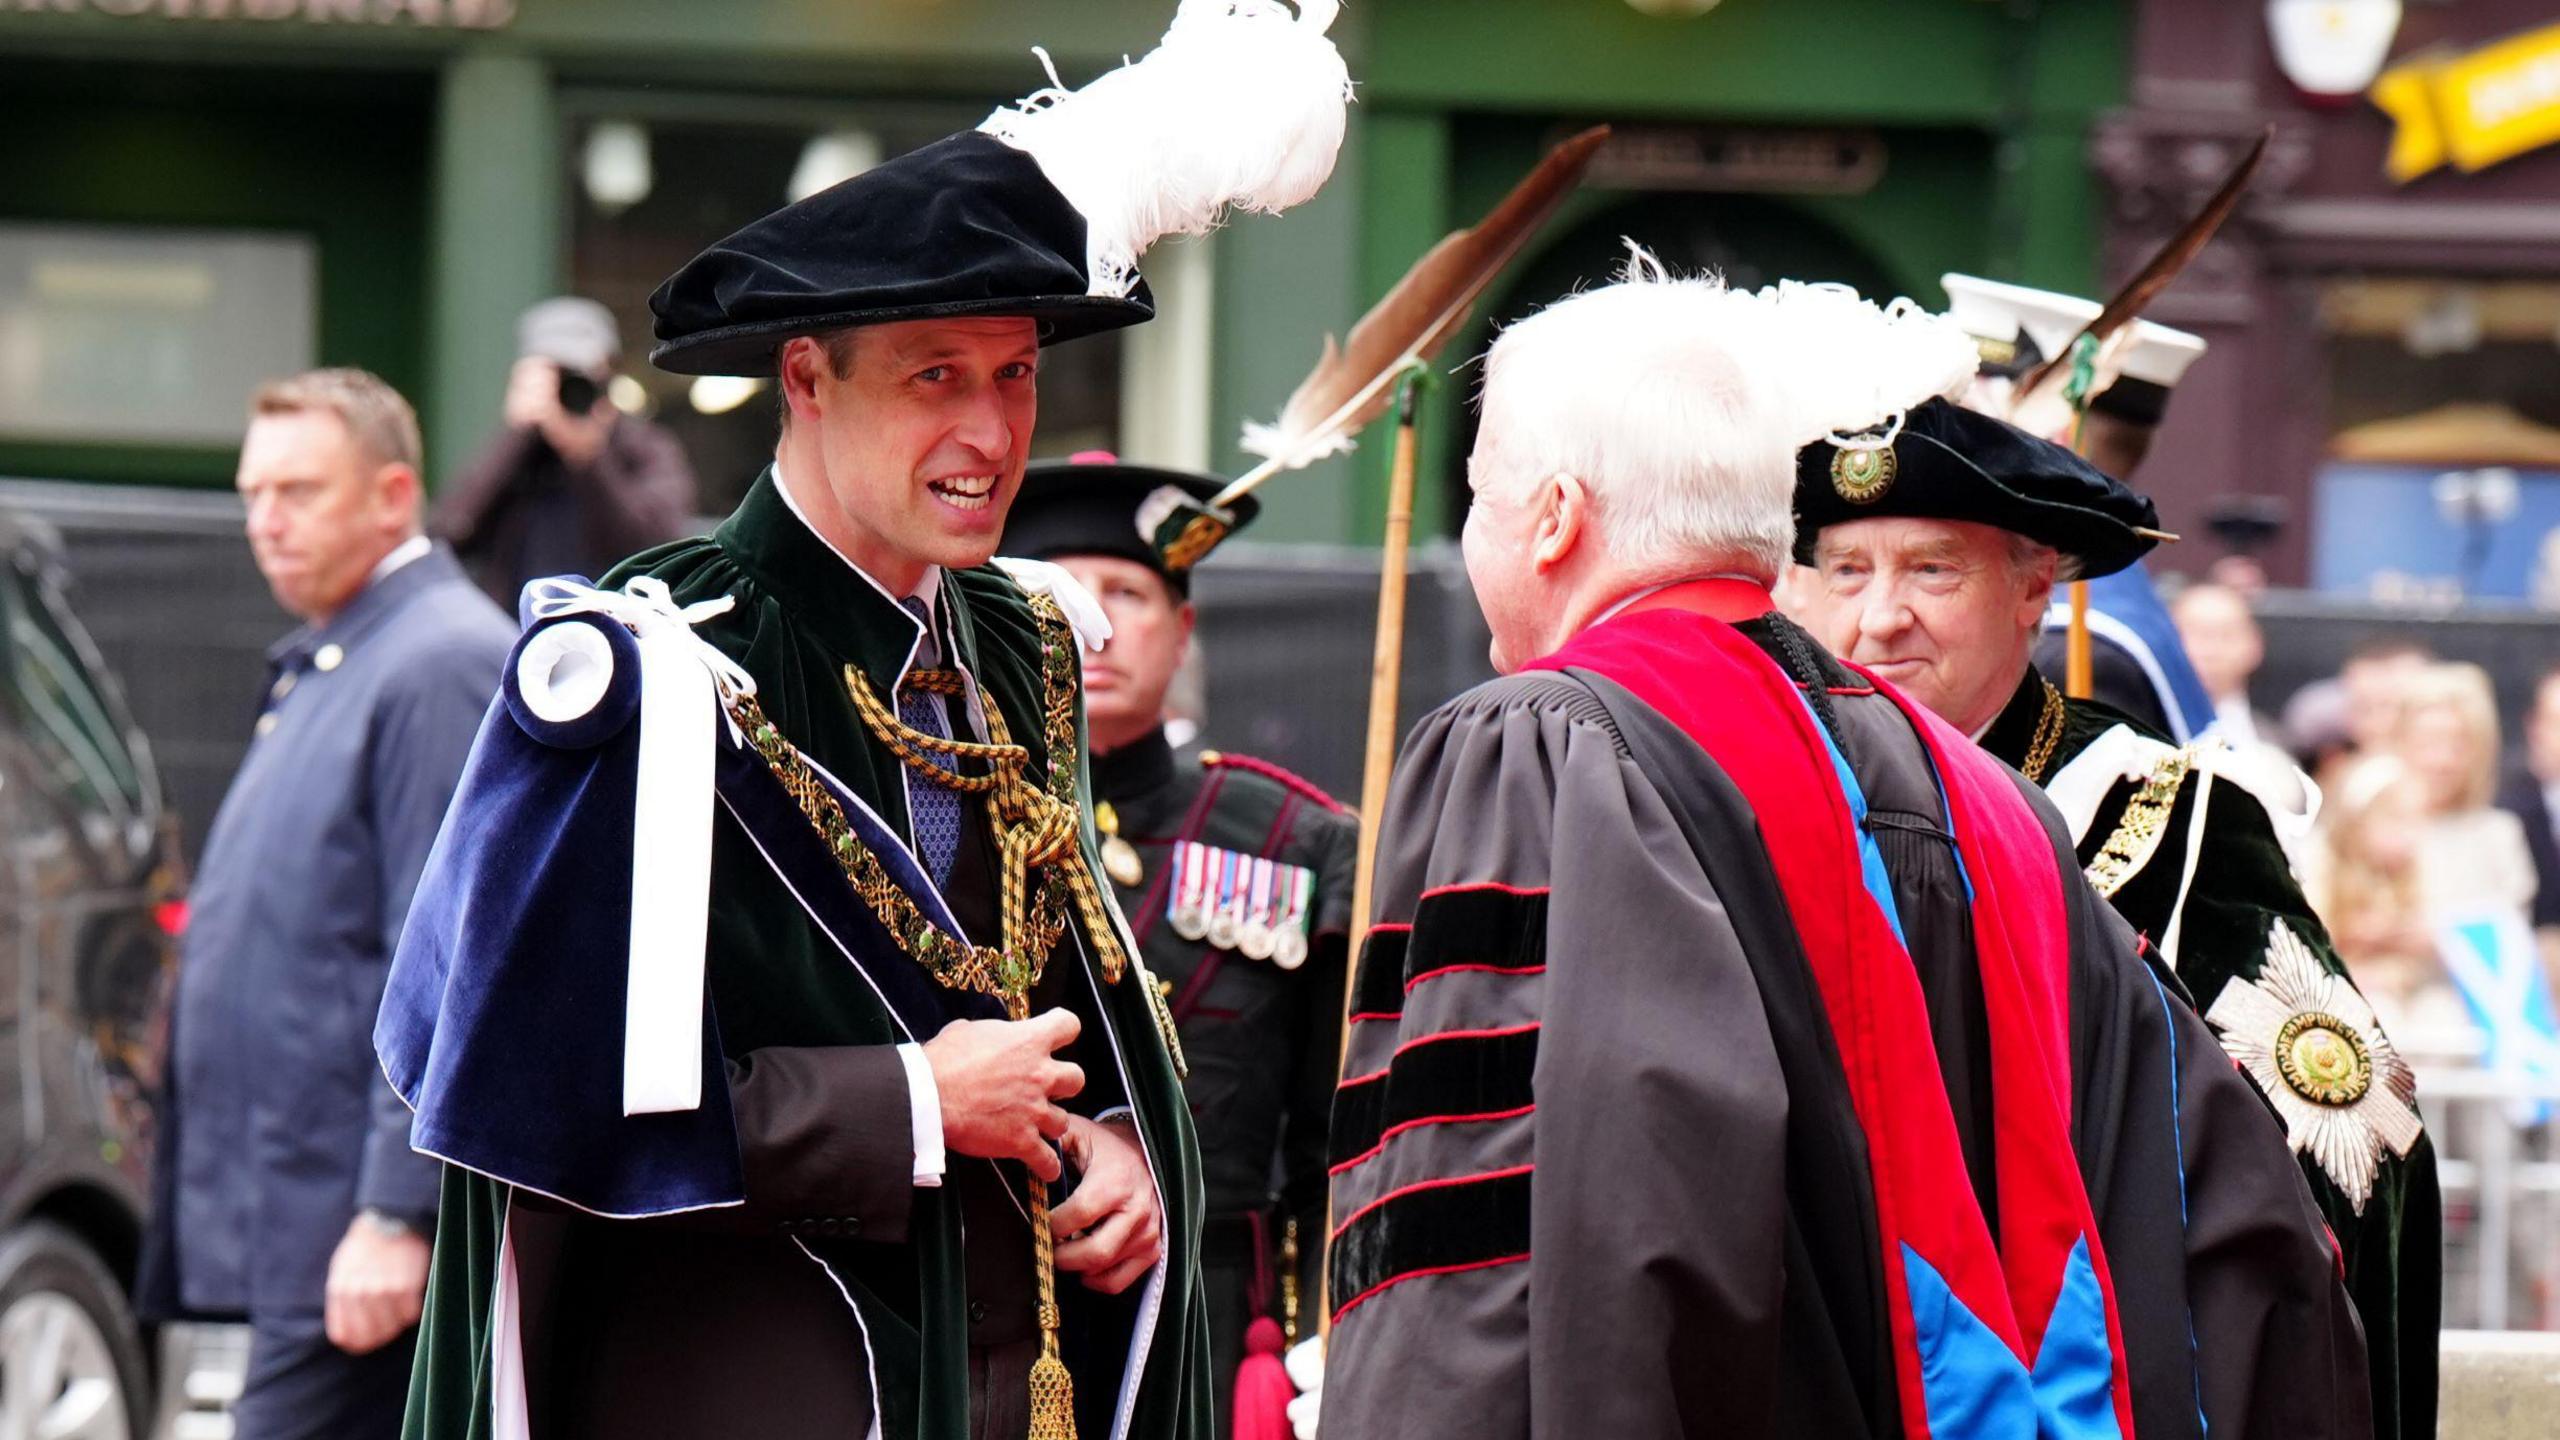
x,y
1035,829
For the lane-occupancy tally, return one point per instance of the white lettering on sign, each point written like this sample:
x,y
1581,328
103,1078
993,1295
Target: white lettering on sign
x,y
2533,86
437,14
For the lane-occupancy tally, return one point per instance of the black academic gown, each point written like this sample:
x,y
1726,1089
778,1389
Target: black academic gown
x,y
1598,1171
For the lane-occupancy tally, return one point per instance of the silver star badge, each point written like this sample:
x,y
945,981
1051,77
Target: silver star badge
x,y
2313,1045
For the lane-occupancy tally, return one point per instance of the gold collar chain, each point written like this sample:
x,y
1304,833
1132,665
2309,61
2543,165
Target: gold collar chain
x,y
2048,733
1034,829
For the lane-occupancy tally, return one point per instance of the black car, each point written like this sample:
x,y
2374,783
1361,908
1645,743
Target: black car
x,y
89,910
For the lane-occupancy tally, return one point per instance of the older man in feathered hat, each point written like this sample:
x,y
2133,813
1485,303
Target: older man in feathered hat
x,y
1737,1050
1937,543
797,1072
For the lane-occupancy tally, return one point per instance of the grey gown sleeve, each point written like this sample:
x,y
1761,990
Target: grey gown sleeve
x,y
1598,1251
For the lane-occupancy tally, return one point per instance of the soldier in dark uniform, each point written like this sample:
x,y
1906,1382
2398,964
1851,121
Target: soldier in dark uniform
x,y
1236,877
1936,562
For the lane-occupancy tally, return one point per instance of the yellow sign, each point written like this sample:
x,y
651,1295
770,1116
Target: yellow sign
x,y
2472,111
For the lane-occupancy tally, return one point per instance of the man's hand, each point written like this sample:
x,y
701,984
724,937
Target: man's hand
x,y
1109,1230
377,1287
1000,1081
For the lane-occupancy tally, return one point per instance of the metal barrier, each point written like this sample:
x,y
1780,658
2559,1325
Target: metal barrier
x,y
2501,1179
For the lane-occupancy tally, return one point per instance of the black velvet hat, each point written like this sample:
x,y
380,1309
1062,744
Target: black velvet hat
x,y
1093,504
1950,463
1044,210
968,225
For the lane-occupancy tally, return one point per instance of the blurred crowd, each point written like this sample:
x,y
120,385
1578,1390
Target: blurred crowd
x,y
2431,820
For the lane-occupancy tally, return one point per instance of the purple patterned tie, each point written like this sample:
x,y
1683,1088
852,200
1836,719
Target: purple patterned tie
x,y
934,809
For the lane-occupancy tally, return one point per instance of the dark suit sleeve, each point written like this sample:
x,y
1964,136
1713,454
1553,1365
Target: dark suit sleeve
x,y
421,735
826,1141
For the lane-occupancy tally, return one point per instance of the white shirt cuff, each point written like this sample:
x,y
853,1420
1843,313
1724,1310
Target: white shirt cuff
x,y
924,1114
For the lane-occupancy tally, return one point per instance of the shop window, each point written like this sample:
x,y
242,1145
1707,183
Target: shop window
x,y
656,181
2442,480
146,335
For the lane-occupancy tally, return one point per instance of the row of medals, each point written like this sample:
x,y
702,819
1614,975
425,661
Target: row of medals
x,y
1259,908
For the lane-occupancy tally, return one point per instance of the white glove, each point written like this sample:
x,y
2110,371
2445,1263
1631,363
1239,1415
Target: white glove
x,y
1093,628
1305,1364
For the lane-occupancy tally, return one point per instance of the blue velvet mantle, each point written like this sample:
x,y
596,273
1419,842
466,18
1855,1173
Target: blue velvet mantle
x,y
501,1025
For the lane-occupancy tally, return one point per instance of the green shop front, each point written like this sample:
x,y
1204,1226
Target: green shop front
x,y
201,193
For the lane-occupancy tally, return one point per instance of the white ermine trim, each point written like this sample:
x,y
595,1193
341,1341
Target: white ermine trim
x,y
1241,105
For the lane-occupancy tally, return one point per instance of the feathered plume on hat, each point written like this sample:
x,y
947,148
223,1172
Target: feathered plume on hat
x,y
1241,106
1041,212
1848,368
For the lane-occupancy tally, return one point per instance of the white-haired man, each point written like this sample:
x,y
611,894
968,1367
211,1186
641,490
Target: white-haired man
x,y
1670,1104
1938,581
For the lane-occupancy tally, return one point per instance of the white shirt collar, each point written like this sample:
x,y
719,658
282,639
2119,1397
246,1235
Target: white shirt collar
x,y
401,554
928,589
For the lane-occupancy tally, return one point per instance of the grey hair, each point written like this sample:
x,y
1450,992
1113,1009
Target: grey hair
x,y
2029,558
1640,391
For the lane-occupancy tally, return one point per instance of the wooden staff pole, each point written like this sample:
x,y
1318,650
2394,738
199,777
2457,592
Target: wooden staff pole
x,y
2078,681
1386,674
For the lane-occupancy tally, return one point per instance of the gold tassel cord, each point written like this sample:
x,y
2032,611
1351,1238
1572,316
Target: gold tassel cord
x,y
1053,1390
1035,829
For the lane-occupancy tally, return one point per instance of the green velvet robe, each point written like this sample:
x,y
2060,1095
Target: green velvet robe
x,y
801,614
2242,884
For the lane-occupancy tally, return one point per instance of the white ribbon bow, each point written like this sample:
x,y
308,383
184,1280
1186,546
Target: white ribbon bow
x,y
1084,613
681,678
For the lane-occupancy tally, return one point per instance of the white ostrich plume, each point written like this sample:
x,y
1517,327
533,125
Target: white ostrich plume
x,y
1241,106
1852,367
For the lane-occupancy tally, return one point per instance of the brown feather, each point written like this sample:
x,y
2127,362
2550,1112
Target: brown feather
x,y
1353,381
2127,304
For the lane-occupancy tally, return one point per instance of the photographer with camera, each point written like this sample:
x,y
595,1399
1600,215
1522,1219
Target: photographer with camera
x,y
571,484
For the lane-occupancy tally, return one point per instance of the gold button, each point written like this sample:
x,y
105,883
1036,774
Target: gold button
x,y
283,686
266,722
329,658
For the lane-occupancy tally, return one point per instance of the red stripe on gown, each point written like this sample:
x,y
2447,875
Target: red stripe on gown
x,y
1675,652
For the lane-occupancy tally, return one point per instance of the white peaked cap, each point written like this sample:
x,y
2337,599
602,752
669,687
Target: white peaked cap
x,y
2158,354
1996,310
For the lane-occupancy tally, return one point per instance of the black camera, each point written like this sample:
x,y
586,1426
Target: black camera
x,y
579,391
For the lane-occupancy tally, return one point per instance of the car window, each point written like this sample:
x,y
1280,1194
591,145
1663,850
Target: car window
x,y
54,695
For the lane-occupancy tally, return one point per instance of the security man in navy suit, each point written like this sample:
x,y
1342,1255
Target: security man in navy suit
x,y
286,1191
